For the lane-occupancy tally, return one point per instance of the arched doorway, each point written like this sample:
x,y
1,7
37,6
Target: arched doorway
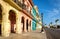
x,y
22,21
0,18
27,24
12,18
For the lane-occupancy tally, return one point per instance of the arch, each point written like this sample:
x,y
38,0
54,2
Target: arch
x,y
0,18
22,21
27,24
12,18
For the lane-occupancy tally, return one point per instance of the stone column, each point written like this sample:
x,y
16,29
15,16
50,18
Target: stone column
x,y
18,24
5,23
31,26
25,30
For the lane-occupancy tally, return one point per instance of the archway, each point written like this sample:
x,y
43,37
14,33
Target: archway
x,y
27,24
12,18
22,21
0,18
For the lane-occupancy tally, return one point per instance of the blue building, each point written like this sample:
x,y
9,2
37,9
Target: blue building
x,y
34,19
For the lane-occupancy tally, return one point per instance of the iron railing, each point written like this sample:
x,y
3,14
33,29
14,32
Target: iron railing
x,y
22,5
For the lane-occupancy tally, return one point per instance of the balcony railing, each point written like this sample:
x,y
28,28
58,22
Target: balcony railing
x,y
22,5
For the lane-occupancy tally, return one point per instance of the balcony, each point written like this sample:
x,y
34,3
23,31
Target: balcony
x,y
13,4
19,6
22,5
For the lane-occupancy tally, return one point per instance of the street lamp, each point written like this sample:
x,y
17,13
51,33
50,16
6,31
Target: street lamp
x,y
42,18
42,21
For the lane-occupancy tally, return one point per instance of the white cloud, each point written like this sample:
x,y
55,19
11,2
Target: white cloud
x,y
53,12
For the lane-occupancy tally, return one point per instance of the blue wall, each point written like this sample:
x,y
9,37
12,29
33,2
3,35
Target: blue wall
x,y
33,25
34,19
33,12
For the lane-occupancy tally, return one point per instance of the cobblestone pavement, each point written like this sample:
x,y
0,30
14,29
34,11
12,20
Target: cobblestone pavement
x,y
28,35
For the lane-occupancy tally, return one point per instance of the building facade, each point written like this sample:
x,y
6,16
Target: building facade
x,y
38,19
34,18
15,16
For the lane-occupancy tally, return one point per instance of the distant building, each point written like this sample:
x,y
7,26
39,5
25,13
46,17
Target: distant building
x,y
38,19
34,18
58,26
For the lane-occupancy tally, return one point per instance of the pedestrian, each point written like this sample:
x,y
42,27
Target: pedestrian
x,y
42,31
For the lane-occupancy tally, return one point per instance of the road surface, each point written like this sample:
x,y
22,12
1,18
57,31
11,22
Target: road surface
x,y
52,33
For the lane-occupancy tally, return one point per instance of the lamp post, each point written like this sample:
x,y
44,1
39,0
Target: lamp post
x,y
42,21
42,18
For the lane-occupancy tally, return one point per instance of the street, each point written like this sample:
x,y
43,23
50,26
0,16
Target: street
x,y
27,35
52,33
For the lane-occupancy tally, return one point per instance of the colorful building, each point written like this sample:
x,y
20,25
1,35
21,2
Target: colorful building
x,y
38,19
34,18
15,16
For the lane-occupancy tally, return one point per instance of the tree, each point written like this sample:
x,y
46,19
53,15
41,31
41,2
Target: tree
x,y
56,21
50,23
45,24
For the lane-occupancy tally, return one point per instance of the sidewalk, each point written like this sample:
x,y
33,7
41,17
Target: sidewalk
x,y
29,35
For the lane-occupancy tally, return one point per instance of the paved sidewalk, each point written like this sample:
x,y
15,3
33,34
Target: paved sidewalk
x,y
29,35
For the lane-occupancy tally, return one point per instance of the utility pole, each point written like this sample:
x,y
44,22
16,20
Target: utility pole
x,y
42,21
42,18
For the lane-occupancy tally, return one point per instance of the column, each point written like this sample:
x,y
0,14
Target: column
x,y
18,24
31,25
5,23
25,30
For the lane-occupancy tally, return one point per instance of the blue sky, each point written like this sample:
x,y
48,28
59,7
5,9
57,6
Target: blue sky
x,y
50,9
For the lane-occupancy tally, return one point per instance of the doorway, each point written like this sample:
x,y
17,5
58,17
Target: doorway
x,y
27,24
0,19
22,21
12,18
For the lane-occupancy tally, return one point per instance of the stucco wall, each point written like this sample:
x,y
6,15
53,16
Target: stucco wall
x,y
25,18
6,27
